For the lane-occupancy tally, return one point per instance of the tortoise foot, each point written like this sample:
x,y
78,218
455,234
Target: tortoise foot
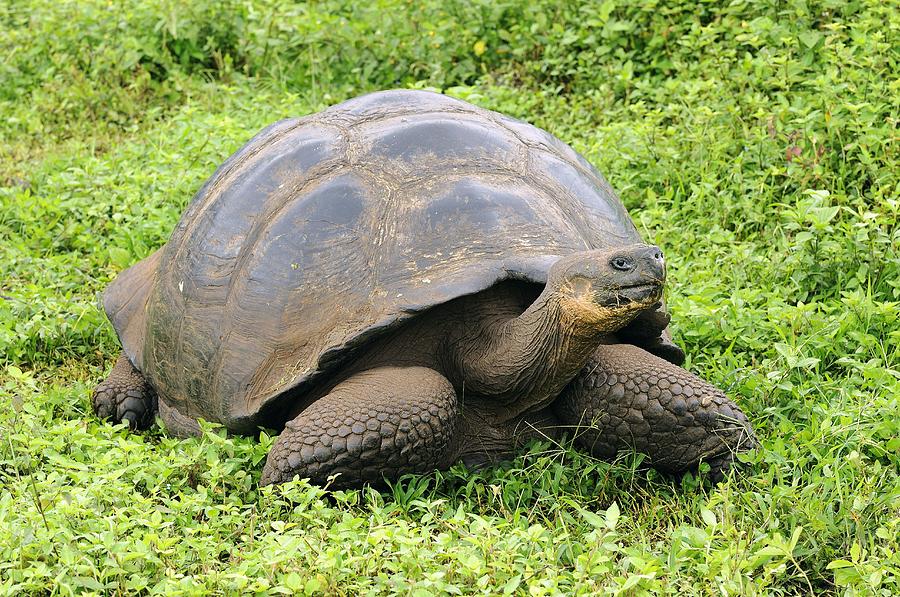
x,y
125,396
629,399
378,424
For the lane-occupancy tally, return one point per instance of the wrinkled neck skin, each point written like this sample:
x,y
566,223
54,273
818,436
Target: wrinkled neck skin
x,y
525,362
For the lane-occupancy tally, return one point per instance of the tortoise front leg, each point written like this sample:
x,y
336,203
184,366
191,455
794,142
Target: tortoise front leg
x,y
381,423
125,396
650,331
627,398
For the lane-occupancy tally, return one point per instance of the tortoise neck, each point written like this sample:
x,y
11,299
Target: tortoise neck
x,y
524,362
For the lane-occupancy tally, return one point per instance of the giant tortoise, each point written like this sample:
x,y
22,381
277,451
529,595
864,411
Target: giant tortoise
x,y
403,281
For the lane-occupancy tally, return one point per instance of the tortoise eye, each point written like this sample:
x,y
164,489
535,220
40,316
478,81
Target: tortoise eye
x,y
621,263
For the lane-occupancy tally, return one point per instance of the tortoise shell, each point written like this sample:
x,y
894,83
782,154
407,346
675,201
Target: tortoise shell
x,y
326,231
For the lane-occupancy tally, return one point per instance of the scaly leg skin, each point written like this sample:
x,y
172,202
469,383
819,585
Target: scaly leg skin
x,y
627,398
650,331
381,423
125,396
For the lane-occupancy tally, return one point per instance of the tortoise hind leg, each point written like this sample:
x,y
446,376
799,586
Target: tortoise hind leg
x,y
125,396
381,423
627,398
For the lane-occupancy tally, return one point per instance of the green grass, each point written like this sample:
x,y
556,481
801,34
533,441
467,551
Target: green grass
x,y
756,142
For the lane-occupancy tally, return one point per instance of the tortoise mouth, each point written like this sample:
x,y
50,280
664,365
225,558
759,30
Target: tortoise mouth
x,y
637,293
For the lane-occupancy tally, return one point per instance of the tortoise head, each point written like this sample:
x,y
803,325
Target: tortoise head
x,y
603,290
